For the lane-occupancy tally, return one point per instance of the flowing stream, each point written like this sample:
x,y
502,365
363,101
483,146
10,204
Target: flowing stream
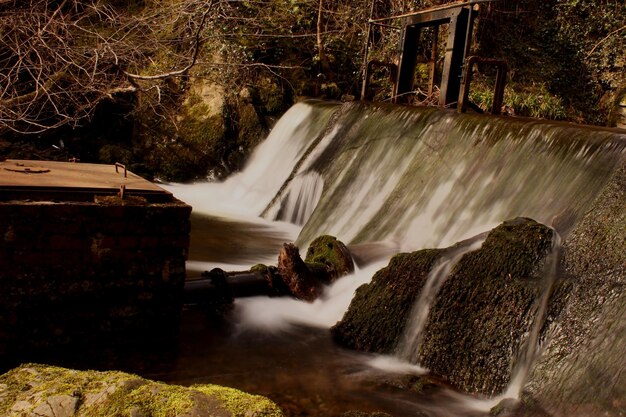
x,y
385,178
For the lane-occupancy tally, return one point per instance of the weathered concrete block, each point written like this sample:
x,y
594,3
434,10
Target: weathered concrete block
x,y
67,266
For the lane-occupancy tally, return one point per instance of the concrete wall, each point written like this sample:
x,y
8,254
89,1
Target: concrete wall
x,y
78,271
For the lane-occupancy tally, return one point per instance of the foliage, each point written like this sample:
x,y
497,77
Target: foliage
x,y
59,61
575,48
81,75
531,100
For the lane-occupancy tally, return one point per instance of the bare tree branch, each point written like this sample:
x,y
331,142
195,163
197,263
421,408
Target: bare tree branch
x,y
196,50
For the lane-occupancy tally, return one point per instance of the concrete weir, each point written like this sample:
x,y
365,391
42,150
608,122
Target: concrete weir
x,y
86,251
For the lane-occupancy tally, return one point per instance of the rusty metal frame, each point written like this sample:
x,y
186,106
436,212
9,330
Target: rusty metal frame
x,y
498,93
433,9
460,17
460,20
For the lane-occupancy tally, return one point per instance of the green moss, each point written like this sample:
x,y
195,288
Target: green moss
x,y
120,394
479,316
260,268
239,403
153,399
250,129
272,98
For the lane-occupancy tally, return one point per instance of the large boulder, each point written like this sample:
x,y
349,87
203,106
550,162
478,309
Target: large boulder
x,y
48,391
479,318
485,310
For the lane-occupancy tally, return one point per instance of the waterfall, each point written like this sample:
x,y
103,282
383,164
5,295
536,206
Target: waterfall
x,y
302,195
247,193
408,348
413,177
424,177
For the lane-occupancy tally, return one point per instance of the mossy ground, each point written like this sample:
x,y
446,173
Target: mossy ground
x,y
120,394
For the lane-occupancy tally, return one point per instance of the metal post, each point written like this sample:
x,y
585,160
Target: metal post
x,y
408,59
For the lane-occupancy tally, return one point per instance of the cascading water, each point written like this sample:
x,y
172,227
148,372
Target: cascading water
x,y
302,195
429,178
408,177
408,348
247,193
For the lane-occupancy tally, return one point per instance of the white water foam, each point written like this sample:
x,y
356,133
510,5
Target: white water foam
x,y
248,192
281,313
394,365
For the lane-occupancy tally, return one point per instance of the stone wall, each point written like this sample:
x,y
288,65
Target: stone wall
x,y
77,271
582,371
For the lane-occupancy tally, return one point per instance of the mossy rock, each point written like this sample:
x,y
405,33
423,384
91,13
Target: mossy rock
x,y
43,390
379,310
479,317
486,307
332,255
581,370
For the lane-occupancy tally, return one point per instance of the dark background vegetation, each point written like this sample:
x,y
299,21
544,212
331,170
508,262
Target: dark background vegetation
x,y
184,89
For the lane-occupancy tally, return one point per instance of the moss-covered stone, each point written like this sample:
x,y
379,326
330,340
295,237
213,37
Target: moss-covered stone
x,y
486,307
479,317
332,255
35,389
239,403
379,310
